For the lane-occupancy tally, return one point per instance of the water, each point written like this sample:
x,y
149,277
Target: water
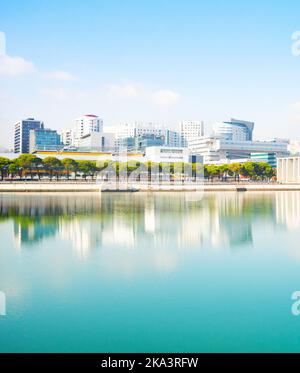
x,y
149,272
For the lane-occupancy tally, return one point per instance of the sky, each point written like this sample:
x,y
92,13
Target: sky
x,y
161,60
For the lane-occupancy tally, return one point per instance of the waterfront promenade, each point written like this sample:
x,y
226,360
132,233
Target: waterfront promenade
x,y
19,187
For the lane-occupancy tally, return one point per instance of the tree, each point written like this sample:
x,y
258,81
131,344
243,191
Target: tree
x,y
53,166
131,166
28,162
70,166
251,170
212,171
37,166
14,168
235,170
223,169
265,171
87,168
4,164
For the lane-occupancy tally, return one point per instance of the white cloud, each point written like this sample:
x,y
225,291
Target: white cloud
x,y
124,90
166,97
13,66
161,97
58,75
63,95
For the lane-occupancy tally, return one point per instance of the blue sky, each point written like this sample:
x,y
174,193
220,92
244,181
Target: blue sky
x,y
158,60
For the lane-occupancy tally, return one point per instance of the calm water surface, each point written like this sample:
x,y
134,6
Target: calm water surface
x,y
149,272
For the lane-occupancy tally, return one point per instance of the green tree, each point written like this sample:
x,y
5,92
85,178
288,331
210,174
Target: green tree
x,y
132,166
212,171
87,168
224,170
53,166
14,168
70,165
29,162
4,164
265,171
251,170
235,170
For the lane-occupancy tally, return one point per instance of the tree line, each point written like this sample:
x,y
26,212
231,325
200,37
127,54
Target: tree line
x,y
52,167
251,170
29,164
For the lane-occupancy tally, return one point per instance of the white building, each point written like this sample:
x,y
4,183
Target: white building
x,y
216,149
84,125
205,147
190,130
67,136
88,124
97,141
167,154
235,130
140,129
288,170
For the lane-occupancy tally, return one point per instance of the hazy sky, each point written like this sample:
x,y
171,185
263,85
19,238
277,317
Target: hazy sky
x,y
158,60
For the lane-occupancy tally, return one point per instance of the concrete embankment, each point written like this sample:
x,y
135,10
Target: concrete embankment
x,y
49,187
37,187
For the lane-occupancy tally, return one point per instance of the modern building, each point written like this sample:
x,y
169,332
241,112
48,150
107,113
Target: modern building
x,y
125,144
44,139
235,130
206,147
96,141
167,154
172,138
217,149
88,124
67,136
270,158
137,129
141,143
22,132
288,170
130,134
190,130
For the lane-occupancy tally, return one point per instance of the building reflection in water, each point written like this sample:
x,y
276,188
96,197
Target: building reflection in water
x,y
114,221
288,209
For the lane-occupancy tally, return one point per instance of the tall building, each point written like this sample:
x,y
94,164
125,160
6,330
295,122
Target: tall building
x,y
191,130
22,133
44,139
66,136
146,132
88,124
235,130
137,129
172,138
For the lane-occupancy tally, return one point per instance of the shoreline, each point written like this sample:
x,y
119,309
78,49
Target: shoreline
x,y
27,187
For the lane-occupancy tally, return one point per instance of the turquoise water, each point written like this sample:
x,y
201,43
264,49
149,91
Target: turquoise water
x,y
149,272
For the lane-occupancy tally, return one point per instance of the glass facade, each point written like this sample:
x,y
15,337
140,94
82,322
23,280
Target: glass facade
x,y
44,139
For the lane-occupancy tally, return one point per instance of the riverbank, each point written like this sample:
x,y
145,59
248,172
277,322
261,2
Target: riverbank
x,y
19,187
